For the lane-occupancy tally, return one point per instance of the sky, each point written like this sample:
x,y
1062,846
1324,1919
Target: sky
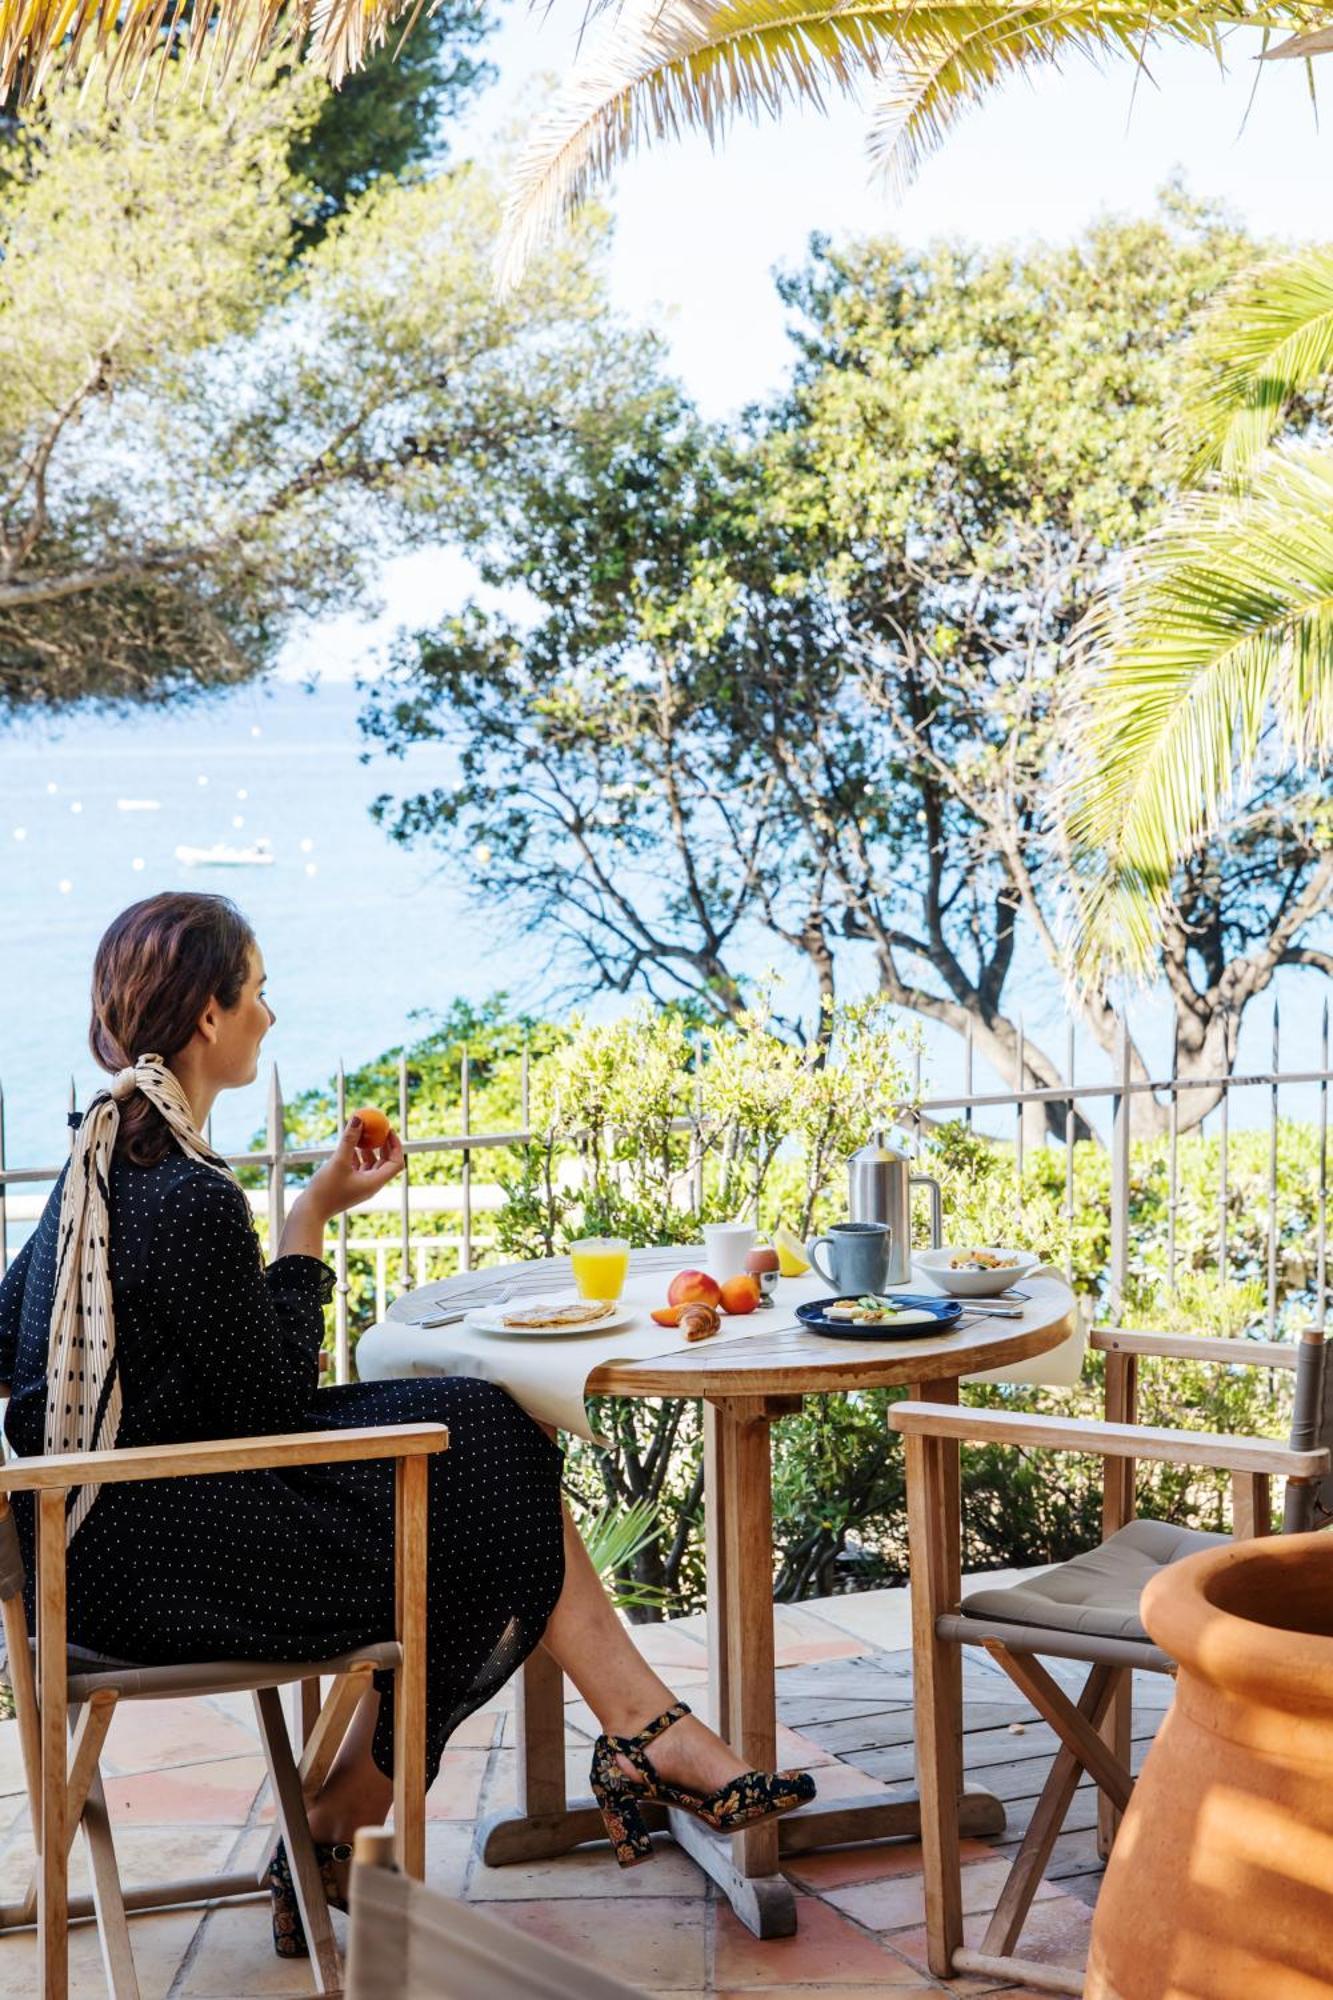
x,y
699,233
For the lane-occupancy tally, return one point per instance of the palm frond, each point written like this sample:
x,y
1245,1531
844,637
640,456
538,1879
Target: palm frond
x,y
1226,620
662,67
1268,338
1299,48
41,40
613,1539
956,63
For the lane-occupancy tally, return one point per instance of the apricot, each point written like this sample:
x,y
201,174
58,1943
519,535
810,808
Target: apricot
x,y
740,1295
374,1127
668,1315
693,1288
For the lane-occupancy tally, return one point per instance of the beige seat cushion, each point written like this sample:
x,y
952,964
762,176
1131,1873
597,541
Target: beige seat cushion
x,y
134,1681
1097,1593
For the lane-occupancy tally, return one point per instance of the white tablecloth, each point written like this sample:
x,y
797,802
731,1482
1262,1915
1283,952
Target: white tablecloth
x,y
548,1375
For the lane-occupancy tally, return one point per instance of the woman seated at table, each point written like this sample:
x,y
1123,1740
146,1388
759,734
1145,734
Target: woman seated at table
x,y
167,1326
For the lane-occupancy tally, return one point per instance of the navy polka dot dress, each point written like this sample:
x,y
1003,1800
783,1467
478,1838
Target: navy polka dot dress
x,y
211,1343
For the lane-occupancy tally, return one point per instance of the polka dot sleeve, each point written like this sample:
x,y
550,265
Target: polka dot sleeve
x,y
11,1309
249,1336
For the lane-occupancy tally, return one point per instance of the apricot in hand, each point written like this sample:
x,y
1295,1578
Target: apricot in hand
x,y
374,1127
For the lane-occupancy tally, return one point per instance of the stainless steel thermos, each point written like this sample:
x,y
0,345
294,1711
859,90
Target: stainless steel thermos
x,y
879,1189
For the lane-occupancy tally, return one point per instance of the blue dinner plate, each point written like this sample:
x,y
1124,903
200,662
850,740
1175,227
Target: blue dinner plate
x,y
943,1311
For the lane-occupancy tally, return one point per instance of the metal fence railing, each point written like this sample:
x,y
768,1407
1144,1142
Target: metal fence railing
x,y
412,1248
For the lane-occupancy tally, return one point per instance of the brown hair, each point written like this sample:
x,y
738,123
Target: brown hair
x,y
158,966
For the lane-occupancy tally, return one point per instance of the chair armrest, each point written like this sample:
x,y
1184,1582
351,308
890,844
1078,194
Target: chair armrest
x,y
1210,1448
215,1455
1197,1347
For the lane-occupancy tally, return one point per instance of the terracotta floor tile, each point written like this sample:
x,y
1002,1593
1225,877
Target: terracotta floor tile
x,y
476,1732
456,1793
235,1960
826,1948
159,1941
448,1855
187,1794
589,1871
900,1901
145,1735
839,1867
797,1752
1056,1933
913,1983
805,1652
652,1943
667,1645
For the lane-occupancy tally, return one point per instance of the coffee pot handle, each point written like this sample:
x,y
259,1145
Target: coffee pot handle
x,y
936,1206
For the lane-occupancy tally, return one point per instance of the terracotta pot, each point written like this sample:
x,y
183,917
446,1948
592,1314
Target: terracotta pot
x,y
1220,1884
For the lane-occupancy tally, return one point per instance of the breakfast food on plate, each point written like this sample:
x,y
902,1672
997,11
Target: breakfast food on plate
x,y
740,1295
374,1127
877,1312
586,1312
983,1260
792,1260
693,1287
698,1322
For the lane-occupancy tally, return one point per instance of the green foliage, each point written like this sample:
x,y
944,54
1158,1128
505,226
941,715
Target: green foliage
x,y
798,692
606,1153
226,389
394,113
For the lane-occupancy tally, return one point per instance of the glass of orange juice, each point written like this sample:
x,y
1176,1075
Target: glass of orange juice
x,y
601,1265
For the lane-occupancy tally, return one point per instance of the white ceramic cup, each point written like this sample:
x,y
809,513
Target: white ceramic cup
x,y
728,1245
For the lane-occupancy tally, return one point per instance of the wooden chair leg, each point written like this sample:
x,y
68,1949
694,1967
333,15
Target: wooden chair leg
x,y
1024,1877
409,1742
323,1737
289,1802
53,1887
113,1930
931,1469
1118,1735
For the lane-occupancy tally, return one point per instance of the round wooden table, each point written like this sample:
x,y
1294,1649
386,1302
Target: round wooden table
x,y
744,1385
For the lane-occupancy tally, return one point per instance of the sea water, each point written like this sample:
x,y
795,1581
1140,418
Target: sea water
x,y
357,933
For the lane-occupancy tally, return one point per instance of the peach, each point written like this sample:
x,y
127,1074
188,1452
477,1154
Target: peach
x,y
740,1295
693,1288
668,1315
374,1127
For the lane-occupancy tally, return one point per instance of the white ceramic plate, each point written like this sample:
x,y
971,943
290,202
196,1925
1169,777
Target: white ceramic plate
x,y
934,1264
490,1319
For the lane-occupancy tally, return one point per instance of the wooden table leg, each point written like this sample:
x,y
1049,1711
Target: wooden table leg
x,y
740,1640
543,1823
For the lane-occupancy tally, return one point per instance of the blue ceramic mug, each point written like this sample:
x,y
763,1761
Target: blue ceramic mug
x,y
858,1256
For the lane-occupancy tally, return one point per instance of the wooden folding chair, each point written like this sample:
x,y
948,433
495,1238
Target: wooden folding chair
x,y
407,1942
77,1691
1084,1610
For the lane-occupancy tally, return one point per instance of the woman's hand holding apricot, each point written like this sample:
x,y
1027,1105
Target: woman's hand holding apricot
x,y
356,1170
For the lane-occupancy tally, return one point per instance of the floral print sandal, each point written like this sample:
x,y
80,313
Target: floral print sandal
x,y
755,1795
289,1939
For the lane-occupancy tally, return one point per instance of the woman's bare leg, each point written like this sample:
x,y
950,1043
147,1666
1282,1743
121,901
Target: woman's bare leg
x,y
587,1638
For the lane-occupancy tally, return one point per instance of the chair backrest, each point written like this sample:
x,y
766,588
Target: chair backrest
x,y
1309,1502
408,1942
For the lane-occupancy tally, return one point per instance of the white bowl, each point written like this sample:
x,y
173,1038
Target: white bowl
x,y
934,1264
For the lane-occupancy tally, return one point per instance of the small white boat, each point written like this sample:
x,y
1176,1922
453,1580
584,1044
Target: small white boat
x,y
138,805
222,854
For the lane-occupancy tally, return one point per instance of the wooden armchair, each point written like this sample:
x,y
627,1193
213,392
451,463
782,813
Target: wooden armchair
x,y
1085,1609
407,1942
76,1691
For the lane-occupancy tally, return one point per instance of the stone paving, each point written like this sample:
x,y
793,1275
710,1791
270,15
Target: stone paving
x,y
185,1783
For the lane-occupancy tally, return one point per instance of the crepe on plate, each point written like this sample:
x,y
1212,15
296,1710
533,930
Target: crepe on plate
x,y
585,1313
